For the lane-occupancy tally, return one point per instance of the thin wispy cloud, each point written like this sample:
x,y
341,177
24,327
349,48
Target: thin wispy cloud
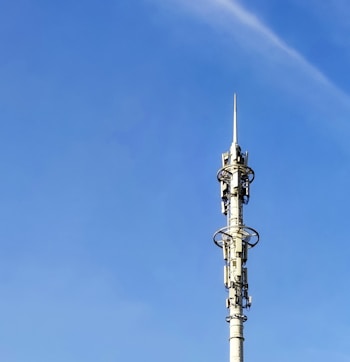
x,y
252,21
246,27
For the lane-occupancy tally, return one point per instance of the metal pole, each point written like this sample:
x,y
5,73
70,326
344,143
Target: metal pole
x,y
235,238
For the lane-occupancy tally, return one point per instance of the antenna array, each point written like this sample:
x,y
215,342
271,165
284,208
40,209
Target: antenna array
x,y
235,239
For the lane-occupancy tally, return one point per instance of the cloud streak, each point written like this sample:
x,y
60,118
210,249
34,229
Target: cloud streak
x,y
250,20
225,14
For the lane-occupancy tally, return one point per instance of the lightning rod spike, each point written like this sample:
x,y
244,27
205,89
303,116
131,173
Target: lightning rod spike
x,y
235,135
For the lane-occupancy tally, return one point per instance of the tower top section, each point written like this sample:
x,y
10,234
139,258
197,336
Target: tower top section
x,y
235,238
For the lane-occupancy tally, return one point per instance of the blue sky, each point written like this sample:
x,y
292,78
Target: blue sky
x,y
113,118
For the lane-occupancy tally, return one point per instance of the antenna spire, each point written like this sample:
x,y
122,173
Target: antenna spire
x,y
235,135
236,238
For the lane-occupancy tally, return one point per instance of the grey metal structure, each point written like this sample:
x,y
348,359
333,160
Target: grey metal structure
x,y
235,239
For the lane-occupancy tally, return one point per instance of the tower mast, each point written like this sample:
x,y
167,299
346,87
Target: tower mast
x,y
235,239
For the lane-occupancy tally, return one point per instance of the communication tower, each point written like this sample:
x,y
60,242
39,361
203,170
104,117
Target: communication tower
x,y
235,239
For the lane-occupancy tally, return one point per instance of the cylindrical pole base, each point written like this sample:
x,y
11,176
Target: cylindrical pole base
x,y
236,340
